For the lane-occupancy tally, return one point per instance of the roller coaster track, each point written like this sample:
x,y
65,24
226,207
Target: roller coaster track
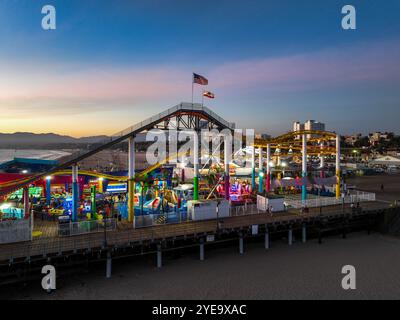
x,y
180,109
150,123
290,138
99,174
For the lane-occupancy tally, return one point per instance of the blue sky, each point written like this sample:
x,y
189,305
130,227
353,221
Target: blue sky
x,y
268,62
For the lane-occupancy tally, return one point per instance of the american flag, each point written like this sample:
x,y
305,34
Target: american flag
x,y
199,79
209,94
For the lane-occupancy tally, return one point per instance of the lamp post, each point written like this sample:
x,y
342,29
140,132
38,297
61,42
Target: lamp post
x,y
48,190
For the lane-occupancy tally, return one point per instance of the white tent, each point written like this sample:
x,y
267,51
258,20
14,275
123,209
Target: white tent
x,y
387,161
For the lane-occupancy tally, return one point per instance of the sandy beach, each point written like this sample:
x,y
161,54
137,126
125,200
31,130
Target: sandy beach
x,y
300,271
391,186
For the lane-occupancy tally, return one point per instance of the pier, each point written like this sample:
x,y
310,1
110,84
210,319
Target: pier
x,y
217,211
19,260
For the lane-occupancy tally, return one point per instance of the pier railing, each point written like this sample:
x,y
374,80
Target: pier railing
x,y
353,197
244,210
83,227
160,219
145,124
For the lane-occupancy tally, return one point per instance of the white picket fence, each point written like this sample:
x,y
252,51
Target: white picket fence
x,y
82,227
353,197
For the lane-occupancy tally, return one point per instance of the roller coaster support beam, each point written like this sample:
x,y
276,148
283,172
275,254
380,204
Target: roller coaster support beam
x,y
268,180
337,166
196,166
304,168
322,161
26,200
227,158
260,171
101,185
253,168
75,193
131,182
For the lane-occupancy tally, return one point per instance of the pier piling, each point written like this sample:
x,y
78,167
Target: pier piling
x,y
108,265
159,256
290,236
241,248
344,231
304,233
266,240
201,249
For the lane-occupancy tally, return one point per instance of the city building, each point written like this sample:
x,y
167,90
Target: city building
x,y
297,126
351,140
264,136
308,125
375,137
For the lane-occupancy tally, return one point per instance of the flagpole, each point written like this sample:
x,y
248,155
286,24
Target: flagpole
x,y
192,88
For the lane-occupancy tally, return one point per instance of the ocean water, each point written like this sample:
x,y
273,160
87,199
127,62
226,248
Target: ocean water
x,y
9,154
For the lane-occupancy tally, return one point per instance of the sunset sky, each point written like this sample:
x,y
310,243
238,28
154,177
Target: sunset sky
x,y
111,64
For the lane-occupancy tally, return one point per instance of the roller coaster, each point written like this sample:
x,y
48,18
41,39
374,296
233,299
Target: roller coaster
x,y
183,116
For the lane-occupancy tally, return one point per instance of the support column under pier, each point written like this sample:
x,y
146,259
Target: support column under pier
x,y
290,236
159,256
266,239
201,249
241,244
108,265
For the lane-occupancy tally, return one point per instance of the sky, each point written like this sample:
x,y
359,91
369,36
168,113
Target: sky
x,y
111,64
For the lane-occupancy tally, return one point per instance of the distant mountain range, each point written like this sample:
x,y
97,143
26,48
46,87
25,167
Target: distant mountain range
x,y
22,139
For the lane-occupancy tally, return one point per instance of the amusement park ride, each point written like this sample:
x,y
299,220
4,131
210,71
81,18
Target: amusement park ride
x,y
188,116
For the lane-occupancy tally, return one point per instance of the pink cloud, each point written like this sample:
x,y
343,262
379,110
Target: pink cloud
x,y
102,83
325,68
63,85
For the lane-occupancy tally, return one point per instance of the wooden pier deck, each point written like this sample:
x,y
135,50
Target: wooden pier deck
x,y
50,244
